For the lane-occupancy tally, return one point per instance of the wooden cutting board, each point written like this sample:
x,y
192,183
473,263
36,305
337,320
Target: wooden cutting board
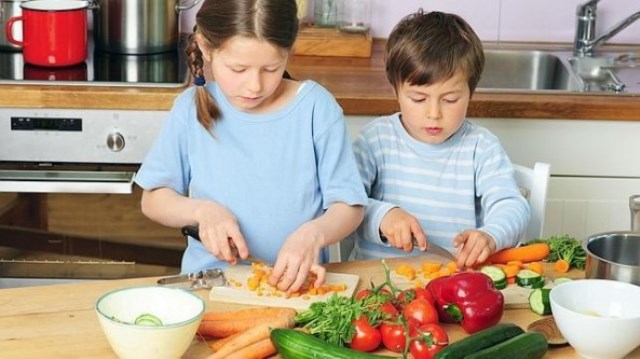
x,y
241,295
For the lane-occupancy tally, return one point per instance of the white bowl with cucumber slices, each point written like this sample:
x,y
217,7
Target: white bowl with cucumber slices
x,y
599,318
150,321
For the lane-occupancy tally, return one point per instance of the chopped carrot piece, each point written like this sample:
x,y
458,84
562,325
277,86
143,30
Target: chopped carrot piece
x,y
536,267
511,280
452,267
561,266
430,267
515,263
511,271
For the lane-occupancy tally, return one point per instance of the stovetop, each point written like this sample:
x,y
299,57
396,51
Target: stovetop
x,y
166,69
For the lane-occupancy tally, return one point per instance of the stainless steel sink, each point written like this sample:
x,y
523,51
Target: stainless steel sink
x,y
526,70
559,71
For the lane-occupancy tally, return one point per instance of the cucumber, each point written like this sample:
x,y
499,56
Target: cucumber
x,y
561,280
539,301
479,340
530,345
294,344
529,279
148,320
497,276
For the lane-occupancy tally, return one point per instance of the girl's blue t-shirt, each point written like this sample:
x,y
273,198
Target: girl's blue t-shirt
x,y
273,171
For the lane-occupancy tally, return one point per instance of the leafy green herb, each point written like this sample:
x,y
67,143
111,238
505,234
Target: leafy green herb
x,y
565,247
331,320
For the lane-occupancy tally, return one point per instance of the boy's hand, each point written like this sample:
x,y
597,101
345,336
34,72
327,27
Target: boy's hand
x,y
474,247
220,233
401,228
298,256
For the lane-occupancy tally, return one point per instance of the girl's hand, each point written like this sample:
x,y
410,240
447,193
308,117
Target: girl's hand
x,y
401,230
298,256
474,247
220,233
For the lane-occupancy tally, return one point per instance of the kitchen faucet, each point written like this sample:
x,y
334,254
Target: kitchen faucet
x,y
586,39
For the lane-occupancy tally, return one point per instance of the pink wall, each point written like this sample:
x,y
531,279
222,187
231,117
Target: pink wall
x,y
503,20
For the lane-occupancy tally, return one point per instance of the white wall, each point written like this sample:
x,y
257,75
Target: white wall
x,y
500,20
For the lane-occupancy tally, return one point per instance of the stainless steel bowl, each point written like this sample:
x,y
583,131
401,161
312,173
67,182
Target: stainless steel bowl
x,y
613,255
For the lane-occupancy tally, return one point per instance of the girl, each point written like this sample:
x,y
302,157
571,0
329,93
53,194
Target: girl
x,y
261,163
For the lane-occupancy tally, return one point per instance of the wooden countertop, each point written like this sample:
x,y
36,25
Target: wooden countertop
x,y
359,84
59,320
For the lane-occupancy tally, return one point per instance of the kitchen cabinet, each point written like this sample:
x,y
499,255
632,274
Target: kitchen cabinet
x,y
594,167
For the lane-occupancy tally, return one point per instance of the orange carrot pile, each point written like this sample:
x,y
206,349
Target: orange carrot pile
x,y
241,339
224,324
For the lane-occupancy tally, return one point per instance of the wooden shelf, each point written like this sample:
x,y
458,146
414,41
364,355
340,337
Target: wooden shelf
x,y
320,41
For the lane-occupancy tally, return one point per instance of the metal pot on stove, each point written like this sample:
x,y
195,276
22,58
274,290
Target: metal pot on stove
x,y
137,26
154,68
9,9
616,255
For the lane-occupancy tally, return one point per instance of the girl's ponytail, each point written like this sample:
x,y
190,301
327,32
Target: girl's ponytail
x,y
207,110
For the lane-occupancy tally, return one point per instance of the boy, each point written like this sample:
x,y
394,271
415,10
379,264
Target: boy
x,y
432,176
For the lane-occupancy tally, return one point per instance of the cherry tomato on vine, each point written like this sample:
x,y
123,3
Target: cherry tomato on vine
x,y
389,309
393,336
427,340
383,294
406,296
421,311
366,337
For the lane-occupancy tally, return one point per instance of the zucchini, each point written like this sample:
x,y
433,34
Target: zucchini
x,y
294,344
529,279
530,345
497,276
539,301
479,340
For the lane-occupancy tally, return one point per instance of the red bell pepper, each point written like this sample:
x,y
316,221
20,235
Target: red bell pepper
x,y
468,298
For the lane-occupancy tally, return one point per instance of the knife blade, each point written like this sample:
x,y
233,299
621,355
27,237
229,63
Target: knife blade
x,y
431,248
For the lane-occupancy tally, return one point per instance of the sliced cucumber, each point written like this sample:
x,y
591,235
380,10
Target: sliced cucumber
x,y
561,280
497,276
539,301
529,279
149,320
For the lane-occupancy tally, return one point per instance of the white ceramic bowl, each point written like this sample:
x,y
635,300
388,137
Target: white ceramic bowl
x,y
180,312
599,318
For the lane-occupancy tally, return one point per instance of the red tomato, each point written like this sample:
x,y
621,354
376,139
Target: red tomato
x,y
393,336
390,309
384,295
366,337
421,311
427,340
406,296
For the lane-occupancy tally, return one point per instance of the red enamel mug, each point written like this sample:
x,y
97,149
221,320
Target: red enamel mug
x,y
54,32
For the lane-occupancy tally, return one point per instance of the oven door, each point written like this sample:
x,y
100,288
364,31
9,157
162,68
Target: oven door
x,y
71,229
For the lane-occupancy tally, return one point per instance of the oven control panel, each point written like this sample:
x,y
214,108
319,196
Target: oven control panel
x,y
78,136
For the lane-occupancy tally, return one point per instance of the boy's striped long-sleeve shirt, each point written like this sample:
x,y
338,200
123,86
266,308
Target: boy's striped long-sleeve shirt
x,y
463,183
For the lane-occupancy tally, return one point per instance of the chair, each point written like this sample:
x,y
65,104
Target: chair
x,y
533,183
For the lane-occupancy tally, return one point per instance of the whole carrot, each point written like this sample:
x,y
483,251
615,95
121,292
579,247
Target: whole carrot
x,y
525,254
258,350
224,324
221,342
247,313
250,336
